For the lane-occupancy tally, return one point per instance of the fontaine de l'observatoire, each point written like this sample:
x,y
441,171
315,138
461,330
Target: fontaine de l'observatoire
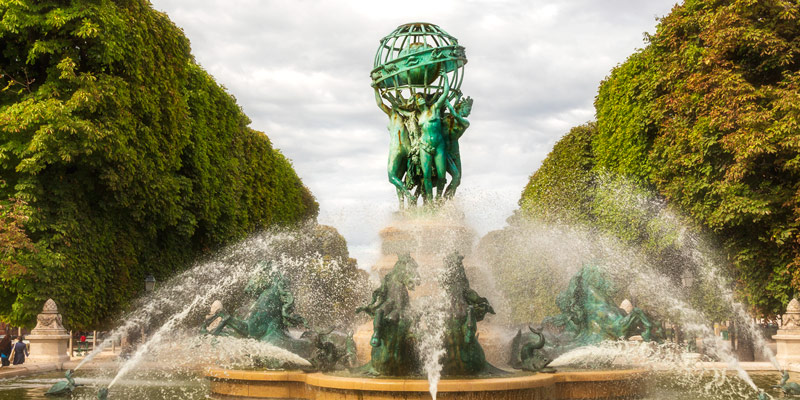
x,y
424,316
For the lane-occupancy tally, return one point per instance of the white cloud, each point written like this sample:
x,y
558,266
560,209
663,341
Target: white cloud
x,y
300,70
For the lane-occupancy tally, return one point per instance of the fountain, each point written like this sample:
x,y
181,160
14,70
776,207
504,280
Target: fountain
x,y
424,336
431,333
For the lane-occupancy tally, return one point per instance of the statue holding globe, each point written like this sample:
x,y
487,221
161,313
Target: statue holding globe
x,y
418,70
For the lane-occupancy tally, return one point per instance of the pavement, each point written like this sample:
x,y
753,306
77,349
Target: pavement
x,y
104,360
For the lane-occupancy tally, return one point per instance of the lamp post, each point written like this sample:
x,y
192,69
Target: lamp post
x,y
149,283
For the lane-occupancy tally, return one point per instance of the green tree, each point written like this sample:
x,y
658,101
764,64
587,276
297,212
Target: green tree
x,y
129,157
705,119
564,181
715,94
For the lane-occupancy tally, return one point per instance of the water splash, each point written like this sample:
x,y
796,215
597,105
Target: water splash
x,y
328,284
430,331
533,260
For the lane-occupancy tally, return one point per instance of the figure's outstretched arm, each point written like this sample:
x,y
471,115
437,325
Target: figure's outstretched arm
x,y
379,100
440,102
463,121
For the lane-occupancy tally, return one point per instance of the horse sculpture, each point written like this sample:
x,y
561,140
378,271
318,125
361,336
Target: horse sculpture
x,y
589,314
392,345
269,321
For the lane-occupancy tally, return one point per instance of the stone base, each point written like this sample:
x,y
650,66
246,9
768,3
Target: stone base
x,y
788,346
362,336
318,386
426,238
495,346
48,349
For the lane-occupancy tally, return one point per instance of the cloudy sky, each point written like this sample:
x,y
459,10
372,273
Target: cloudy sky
x,y
300,70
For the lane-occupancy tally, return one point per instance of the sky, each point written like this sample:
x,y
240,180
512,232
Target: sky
x,y
300,70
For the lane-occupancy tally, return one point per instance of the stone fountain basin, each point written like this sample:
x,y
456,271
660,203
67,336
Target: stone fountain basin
x,y
611,384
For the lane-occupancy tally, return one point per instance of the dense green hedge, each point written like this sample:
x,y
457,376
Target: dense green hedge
x,y
122,154
707,116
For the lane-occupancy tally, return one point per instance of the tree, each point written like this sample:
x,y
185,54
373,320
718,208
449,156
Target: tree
x,y
715,98
129,157
705,118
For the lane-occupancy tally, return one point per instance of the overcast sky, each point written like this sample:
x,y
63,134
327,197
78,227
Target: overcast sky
x,y
300,70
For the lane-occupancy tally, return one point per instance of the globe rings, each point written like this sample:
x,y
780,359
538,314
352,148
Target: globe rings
x,y
411,57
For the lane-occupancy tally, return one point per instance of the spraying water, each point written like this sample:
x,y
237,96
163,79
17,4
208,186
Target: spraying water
x,y
534,259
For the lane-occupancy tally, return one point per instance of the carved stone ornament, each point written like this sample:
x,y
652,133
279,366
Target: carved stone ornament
x,y
791,320
49,319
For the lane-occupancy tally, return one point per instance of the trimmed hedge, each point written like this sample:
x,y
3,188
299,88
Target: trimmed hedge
x,y
122,156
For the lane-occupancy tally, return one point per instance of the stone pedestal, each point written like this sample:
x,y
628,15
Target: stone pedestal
x,y
429,238
788,337
49,341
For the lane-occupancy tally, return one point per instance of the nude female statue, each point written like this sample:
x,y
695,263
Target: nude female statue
x,y
456,123
399,148
433,148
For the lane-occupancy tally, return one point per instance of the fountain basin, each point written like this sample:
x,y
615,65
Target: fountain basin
x,y
612,384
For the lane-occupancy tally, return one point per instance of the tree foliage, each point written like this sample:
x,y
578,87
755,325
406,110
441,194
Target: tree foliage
x,y
564,181
129,157
707,115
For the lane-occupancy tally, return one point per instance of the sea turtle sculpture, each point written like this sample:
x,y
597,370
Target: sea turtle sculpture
x,y
789,388
63,387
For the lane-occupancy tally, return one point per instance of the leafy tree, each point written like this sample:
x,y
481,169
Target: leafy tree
x,y
719,117
705,117
129,158
564,181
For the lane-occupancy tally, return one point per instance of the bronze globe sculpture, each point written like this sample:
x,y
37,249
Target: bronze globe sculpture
x,y
411,58
418,69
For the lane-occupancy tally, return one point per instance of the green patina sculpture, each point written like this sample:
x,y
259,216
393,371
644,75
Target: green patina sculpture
x,y
455,124
393,340
269,320
527,352
102,394
399,149
412,71
62,387
463,353
788,388
270,317
393,350
589,315
332,350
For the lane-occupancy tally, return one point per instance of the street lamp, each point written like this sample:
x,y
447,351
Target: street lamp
x,y
149,283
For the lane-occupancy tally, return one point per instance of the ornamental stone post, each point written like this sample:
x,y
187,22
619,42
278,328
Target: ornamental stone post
x,y
49,341
788,337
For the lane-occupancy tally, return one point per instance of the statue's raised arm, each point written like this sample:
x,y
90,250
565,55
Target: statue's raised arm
x,y
379,100
446,91
457,115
